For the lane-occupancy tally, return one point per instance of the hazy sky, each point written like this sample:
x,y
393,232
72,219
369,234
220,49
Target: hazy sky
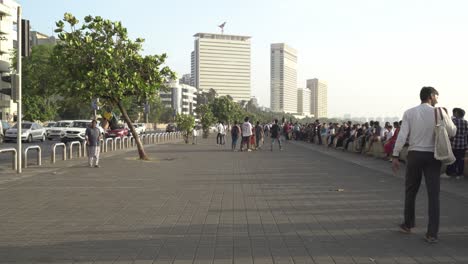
x,y
375,54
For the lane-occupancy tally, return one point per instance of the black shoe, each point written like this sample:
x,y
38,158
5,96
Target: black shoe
x,y
430,239
404,229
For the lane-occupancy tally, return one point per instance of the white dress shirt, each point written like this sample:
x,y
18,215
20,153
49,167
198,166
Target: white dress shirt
x,y
418,126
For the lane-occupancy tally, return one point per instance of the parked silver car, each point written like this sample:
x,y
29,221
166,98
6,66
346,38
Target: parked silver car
x,y
30,131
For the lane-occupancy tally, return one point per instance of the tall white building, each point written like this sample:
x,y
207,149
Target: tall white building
x,y
303,101
8,37
180,97
283,78
222,62
319,97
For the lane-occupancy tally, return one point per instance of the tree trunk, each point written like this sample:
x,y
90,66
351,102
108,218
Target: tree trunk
x,y
141,150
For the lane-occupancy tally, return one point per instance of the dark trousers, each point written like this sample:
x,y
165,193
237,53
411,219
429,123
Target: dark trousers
x,y
220,139
419,164
458,167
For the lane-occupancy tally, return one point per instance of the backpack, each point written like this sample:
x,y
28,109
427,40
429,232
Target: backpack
x,y
235,131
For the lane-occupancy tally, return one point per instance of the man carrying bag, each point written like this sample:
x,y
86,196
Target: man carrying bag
x,y
422,126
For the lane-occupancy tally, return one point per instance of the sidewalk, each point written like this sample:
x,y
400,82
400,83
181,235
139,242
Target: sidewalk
x,y
206,204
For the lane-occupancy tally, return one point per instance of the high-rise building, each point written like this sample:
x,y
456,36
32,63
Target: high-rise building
x,y
8,25
319,97
182,98
193,71
303,101
283,78
186,79
222,62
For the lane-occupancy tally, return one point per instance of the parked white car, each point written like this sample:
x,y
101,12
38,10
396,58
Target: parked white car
x,y
29,131
56,131
140,128
76,131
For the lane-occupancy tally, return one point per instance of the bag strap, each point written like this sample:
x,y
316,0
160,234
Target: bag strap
x,y
441,115
435,116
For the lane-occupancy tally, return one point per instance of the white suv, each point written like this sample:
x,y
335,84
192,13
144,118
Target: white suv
x,y
140,128
57,129
76,131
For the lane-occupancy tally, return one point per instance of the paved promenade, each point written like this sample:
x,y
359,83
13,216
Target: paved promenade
x,y
205,204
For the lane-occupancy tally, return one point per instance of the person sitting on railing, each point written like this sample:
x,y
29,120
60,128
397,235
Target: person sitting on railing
x,y
352,137
344,135
376,135
332,130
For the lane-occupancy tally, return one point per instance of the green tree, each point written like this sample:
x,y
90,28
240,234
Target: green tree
x,y
207,118
98,60
225,109
39,81
185,123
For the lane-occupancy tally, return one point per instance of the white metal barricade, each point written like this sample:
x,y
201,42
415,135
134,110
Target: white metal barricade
x,y
111,140
14,161
39,155
54,147
73,143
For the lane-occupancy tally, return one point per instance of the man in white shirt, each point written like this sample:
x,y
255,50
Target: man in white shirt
x,y
246,133
220,138
418,126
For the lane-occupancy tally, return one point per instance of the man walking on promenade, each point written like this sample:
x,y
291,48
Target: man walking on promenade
x,y
246,133
459,144
221,133
258,134
93,136
418,125
275,135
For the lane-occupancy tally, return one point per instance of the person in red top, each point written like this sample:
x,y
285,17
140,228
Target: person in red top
x,y
252,139
388,147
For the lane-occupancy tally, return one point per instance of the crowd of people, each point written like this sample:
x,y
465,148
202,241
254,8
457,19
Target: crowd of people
x,y
347,136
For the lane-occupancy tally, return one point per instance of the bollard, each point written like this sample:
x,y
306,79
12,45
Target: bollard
x,y
111,145
54,147
14,161
117,139
142,139
101,145
71,149
125,142
39,155
84,151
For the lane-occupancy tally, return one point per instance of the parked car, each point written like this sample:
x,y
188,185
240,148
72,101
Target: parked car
x,y
140,128
5,126
55,131
120,131
49,124
171,128
29,131
76,131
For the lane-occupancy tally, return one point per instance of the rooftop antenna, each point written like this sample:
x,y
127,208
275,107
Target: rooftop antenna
x,y
222,27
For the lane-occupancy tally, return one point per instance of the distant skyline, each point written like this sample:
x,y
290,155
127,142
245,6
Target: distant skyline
x,y
374,54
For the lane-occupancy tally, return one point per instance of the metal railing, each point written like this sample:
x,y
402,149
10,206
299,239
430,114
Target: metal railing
x,y
54,147
111,140
39,155
102,147
71,148
125,142
14,162
117,139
